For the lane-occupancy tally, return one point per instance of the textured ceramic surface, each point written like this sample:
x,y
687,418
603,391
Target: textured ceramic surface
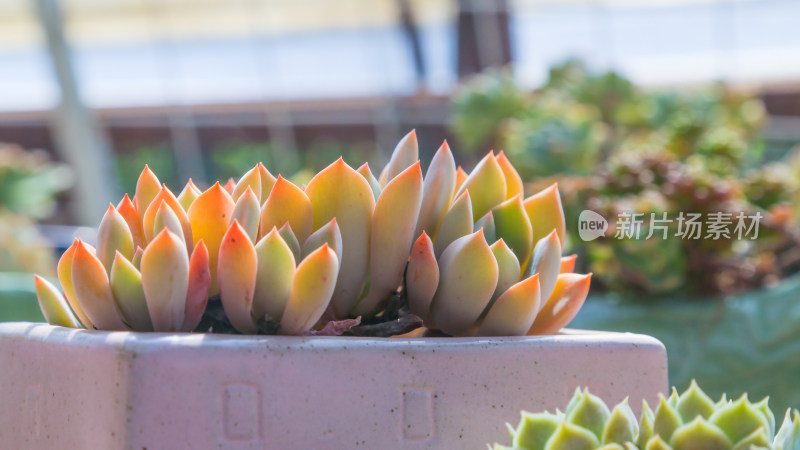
x,y
66,388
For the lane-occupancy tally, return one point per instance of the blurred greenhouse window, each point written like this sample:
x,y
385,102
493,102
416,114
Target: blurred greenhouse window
x,y
188,84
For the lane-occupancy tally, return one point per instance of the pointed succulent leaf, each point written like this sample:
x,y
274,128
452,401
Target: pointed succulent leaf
x,y
126,285
64,271
699,435
54,306
393,223
267,182
113,235
612,446
621,426
568,264
437,191
461,177
291,240
486,223
329,234
127,210
657,443
148,220
251,179
373,182
546,213
210,215
513,313
199,284
147,187
422,277
534,430
673,397
564,303
573,437
666,419
738,419
276,267
788,436
508,269
486,184
93,292
514,185
514,227
456,223
136,260
758,439
165,279
645,425
247,212
763,407
468,276
238,268
405,154
546,261
188,195
312,288
230,186
341,192
288,203
589,412
694,402
167,219
577,397
382,176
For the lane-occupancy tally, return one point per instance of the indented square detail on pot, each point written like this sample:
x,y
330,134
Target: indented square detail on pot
x,y
417,415
241,412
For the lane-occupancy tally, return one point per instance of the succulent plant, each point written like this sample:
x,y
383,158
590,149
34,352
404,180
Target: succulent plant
x,y
680,422
340,247
487,260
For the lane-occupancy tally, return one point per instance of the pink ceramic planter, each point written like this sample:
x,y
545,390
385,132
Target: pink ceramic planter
x,y
64,388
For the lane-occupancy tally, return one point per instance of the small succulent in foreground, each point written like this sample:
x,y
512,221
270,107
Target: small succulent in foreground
x,y
681,422
288,259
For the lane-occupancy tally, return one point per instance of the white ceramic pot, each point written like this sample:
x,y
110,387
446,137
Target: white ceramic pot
x,y
79,389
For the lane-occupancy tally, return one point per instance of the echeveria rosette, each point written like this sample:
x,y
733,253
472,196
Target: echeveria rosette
x,y
470,253
147,273
680,422
487,260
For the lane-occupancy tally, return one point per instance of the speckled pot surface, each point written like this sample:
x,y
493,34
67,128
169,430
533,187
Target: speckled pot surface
x,y
77,389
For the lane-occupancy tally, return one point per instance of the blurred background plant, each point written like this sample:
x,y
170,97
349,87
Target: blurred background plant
x,y
616,148
29,185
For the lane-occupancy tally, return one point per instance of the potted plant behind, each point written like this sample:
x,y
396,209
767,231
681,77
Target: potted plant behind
x,y
355,311
29,183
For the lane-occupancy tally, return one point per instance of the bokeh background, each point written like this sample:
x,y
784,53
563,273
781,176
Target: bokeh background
x,y
661,106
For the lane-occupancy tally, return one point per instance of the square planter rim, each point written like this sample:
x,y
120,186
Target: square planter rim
x,y
138,341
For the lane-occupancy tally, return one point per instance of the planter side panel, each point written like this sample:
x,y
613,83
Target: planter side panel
x,y
62,392
321,394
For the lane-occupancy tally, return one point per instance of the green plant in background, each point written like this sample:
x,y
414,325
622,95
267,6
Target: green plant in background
x,y
29,184
29,181
616,148
681,422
